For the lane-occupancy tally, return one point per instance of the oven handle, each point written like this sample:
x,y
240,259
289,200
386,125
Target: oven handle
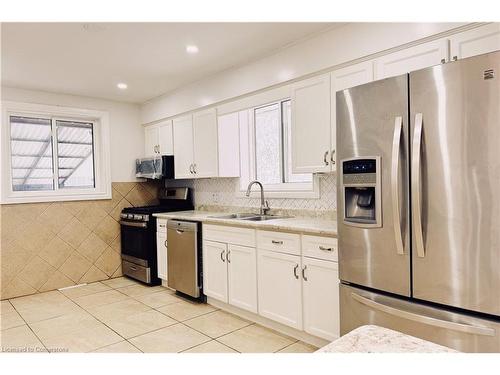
x,y
133,224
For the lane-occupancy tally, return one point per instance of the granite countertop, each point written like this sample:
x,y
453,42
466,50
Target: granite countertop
x,y
295,224
375,339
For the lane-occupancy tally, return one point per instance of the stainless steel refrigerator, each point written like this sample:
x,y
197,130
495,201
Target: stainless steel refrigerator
x,y
419,204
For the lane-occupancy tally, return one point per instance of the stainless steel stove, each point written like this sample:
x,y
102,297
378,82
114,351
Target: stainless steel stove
x,y
138,234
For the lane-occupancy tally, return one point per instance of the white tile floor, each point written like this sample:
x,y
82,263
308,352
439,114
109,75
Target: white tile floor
x,y
122,316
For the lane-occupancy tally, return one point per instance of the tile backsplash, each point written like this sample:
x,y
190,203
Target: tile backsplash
x,y
47,246
221,192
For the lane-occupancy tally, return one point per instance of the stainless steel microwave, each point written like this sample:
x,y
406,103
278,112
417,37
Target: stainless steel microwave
x,y
156,167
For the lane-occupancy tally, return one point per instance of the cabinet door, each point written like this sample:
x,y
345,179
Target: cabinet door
x,y
321,298
311,125
242,277
410,59
228,133
183,146
165,138
475,42
215,270
279,287
161,256
341,79
205,144
150,140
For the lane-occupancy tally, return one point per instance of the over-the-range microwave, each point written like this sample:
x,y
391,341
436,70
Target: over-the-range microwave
x,y
155,167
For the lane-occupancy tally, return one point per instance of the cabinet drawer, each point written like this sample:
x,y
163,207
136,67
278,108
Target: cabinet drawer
x,y
277,241
161,226
230,235
320,247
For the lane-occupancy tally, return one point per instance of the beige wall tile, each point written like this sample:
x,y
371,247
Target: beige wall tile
x,y
75,267
37,272
139,196
109,261
16,287
34,236
116,211
92,247
117,244
56,217
92,275
56,281
56,252
123,187
13,259
109,204
108,229
91,215
74,233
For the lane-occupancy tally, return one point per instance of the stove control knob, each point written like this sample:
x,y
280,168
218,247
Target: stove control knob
x,y
137,217
130,216
123,216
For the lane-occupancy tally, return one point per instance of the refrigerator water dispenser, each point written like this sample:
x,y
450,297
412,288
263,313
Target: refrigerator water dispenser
x,y
361,188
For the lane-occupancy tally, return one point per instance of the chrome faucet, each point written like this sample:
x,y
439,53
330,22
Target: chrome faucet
x,y
264,205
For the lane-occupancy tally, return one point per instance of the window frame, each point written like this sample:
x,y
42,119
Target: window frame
x,y
101,150
248,165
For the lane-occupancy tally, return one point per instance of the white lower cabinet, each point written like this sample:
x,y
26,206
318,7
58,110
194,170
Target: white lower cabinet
x,y
279,287
161,256
320,297
215,270
242,277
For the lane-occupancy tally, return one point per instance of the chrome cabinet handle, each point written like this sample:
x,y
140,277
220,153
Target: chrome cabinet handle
x,y
304,273
158,148
396,141
194,168
277,242
324,158
295,271
191,169
325,248
332,157
227,256
222,255
459,327
415,185
165,243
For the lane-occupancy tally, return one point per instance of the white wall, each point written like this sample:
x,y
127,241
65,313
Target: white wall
x,y
333,48
126,133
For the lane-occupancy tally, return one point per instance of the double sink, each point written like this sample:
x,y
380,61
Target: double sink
x,y
250,217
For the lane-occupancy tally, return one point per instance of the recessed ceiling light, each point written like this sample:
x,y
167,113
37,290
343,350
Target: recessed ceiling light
x,y
192,49
122,86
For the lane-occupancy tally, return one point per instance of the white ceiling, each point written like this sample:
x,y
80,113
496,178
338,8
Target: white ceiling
x,y
90,59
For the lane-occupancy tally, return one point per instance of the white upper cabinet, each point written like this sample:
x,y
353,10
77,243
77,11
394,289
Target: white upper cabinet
x,y
165,138
474,42
344,78
228,133
150,140
205,144
411,59
183,147
311,125
158,139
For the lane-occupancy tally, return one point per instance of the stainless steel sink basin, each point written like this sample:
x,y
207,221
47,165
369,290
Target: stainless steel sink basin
x,y
249,217
265,218
239,216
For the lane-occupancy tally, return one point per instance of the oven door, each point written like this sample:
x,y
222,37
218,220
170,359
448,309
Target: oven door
x,y
136,242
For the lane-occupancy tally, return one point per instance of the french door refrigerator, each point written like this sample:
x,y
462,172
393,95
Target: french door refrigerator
x,y
419,204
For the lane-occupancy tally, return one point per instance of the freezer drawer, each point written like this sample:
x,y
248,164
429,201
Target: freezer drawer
x,y
462,332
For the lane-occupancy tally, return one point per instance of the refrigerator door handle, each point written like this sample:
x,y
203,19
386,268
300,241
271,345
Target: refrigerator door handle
x,y
398,127
415,185
446,324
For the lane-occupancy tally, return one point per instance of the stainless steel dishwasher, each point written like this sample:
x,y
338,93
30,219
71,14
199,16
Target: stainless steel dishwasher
x,y
184,257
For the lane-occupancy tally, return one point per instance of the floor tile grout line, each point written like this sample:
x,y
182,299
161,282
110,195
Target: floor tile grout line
x,y
286,346
29,327
203,343
214,338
